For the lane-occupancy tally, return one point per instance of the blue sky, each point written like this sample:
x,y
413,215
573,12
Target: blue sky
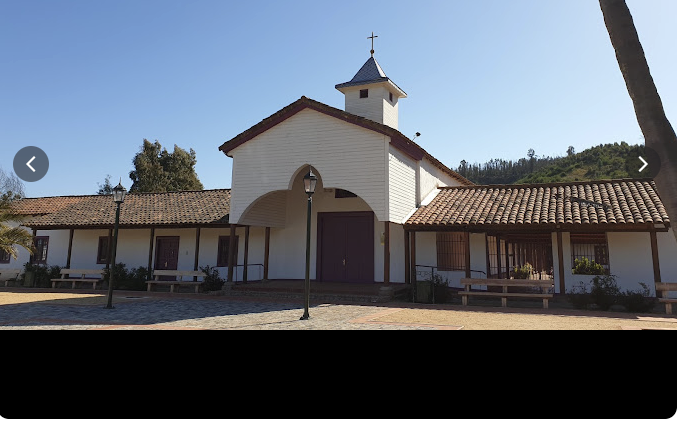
x,y
87,80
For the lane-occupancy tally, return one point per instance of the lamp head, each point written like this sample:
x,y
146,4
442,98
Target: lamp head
x,y
310,182
119,193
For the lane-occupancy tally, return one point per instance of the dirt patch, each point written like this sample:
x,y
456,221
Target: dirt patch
x,y
62,298
500,320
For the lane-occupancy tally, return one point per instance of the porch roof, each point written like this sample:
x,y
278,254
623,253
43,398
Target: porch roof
x,y
139,209
600,204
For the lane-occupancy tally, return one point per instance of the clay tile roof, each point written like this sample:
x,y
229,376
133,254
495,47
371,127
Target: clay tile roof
x,y
143,209
603,203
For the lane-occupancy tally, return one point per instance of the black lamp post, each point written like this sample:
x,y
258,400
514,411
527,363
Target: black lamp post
x,y
118,197
310,186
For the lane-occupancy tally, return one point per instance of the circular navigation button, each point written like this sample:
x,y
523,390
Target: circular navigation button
x,y
31,163
643,165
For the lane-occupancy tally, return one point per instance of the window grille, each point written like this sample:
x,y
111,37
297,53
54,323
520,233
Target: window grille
x,y
591,246
451,251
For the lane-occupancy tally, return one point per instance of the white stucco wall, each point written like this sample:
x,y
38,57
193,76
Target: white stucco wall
x,y
345,155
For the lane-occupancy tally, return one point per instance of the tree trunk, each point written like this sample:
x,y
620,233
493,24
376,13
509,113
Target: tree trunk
x,y
657,131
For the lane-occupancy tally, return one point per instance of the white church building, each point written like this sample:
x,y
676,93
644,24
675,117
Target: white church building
x,y
384,211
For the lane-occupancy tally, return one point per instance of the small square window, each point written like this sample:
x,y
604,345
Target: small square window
x,y
363,93
391,98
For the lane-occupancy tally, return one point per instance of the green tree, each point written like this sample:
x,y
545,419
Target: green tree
x,y
11,233
106,188
656,129
157,170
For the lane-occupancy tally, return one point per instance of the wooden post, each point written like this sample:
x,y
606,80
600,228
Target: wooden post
x,y
267,233
70,247
407,259
245,255
413,258
198,240
498,255
386,269
507,259
560,260
149,267
655,260
466,236
230,257
31,258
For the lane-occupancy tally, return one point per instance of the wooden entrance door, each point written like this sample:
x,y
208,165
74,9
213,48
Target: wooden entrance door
x,y
167,254
345,247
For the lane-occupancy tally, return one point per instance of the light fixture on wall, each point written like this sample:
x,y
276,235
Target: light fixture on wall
x,y
309,181
118,197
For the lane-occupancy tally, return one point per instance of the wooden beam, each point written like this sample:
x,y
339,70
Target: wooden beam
x,y
655,259
198,241
560,260
245,255
466,236
230,257
413,258
151,243
407,259
386,269
70,248
267,233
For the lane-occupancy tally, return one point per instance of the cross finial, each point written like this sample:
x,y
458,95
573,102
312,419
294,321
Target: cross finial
x,y
371,38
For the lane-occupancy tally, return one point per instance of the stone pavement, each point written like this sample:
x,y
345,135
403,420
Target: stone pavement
x,y
178,311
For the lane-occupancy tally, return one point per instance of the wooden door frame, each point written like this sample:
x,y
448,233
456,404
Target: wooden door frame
x,y
164,237
320,216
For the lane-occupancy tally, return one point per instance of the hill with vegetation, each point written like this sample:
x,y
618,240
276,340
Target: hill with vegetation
x,y
606,161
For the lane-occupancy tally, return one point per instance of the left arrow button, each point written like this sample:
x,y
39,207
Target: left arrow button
x,y
31,163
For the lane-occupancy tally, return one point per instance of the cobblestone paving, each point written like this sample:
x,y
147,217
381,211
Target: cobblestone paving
x,y
193,313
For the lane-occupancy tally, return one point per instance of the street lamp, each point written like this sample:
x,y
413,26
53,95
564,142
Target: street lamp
x,y
118,197
310,186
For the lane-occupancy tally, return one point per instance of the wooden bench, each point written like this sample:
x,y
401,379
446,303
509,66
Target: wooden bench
x,y
545,286
8,275
85,276
665,287
179,282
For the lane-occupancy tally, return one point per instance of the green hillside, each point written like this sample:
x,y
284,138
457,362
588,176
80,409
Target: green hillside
x,y
608,161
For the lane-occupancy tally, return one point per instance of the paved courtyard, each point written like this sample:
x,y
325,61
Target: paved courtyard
x,y
32,309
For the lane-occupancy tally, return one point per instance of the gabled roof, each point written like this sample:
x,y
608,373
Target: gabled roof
x,y
202,207
370,72
604,204
397,139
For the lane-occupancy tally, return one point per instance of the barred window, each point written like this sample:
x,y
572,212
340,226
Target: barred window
x,y
513,251
103,250
4,256
451,251
40,256
591,246
223,251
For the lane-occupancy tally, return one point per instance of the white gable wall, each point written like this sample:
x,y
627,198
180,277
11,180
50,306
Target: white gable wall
x,y
345,155
402,184
432,177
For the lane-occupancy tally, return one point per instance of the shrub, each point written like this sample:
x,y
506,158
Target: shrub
x,y
212,279
127,279
639,300
584,266
604,291
579,296
523,272
42,274
442,293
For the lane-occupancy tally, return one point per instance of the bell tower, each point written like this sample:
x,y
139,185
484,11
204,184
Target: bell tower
x,y
371,94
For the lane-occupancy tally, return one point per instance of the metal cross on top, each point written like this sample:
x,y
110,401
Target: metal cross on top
x,y
371,38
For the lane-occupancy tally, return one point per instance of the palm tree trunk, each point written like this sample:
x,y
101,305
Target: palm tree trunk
x,y
657,131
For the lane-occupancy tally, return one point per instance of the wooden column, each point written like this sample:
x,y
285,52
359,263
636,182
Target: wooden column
x,y
386,269
655,259
267,232
70,248
198,241
31,258
560,260
507,260
245,255
498,255
407,259
466,236
230,257
149,266
413,257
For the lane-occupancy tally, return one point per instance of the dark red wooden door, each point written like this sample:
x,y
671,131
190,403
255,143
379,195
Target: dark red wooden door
x,y
167,254
345,241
